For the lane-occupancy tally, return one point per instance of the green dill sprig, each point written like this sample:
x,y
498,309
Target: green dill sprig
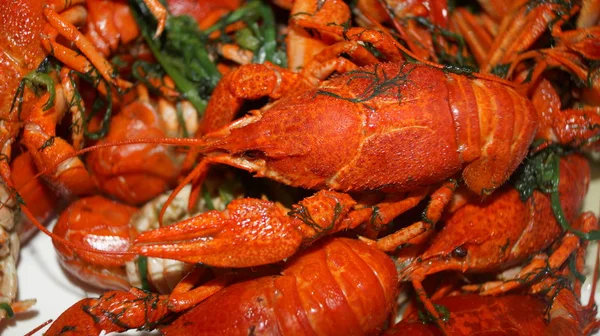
x,y
593,72
181,51
210,205
99,104
247,13
541,171
38,81
226,191
183,38
381,84
181,120
460,60
142,263
573,268
501,70
426,317
7,308
268,35
144,71
229,190
261,38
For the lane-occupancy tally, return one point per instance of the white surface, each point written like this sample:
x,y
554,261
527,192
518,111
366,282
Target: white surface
x,y
41,277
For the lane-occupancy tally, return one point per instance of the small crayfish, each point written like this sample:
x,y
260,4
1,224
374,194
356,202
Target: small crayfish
x,y
504,231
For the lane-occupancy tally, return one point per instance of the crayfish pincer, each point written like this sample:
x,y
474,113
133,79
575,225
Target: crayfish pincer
x,y
390,127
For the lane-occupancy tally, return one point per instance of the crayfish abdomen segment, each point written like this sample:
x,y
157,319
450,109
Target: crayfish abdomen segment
x,y
494,128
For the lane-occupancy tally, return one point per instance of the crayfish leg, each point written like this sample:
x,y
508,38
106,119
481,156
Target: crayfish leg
x,y
60,24
70,177
302,45
439,199
185,296
477,37
16,307
383,213
160,14
380,40
541,264
520,29
430,307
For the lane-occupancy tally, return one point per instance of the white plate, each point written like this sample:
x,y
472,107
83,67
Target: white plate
x,y
41,277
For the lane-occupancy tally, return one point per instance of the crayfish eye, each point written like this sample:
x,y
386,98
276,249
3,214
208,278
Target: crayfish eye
x,y
253,154
459,252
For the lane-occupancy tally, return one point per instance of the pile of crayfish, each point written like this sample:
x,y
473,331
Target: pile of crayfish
x,y
304,167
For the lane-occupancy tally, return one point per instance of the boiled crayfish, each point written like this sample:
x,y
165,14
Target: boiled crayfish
x,y
380,112
476,240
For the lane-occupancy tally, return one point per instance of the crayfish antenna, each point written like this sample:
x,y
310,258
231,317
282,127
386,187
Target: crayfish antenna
x,y
195,177
38,328
159,141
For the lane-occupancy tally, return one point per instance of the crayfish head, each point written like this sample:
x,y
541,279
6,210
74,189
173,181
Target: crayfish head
x,y
299,141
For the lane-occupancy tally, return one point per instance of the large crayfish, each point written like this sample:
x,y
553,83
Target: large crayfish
x,y
392,127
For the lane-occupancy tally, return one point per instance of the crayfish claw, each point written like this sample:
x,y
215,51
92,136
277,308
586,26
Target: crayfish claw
x,y
250,232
